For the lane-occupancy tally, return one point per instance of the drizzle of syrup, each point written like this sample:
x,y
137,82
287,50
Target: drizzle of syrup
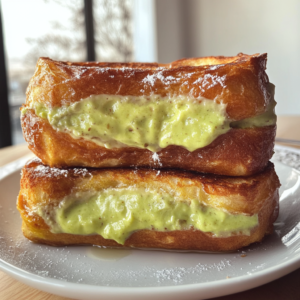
x,y
107,254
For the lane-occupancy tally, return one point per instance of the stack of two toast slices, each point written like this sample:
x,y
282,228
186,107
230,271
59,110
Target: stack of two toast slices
x,y
150,156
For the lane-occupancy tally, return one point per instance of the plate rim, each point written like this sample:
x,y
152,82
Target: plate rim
x,y
276,271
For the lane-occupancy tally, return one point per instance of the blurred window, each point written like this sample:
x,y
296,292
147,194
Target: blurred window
x,y
56,29
113,30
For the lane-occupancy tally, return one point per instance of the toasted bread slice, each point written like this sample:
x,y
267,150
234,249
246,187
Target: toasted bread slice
x,y
238,84
45,190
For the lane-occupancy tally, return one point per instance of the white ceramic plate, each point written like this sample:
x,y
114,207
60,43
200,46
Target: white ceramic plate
x,y
89,272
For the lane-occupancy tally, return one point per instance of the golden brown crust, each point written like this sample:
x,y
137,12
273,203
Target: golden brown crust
x,y
239,152
251,195
240,82
220,60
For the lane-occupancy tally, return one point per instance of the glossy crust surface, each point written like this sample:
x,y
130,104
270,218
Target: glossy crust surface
x,y
239,152
249,195
240,81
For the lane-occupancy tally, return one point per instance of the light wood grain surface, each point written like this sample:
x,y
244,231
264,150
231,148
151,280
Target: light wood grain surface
x,y
287,287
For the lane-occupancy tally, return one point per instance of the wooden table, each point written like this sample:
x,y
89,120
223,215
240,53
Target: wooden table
x,y
287,287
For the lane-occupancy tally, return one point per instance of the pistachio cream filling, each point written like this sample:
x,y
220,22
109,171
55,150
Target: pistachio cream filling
x,y
151,122
117,213
145,122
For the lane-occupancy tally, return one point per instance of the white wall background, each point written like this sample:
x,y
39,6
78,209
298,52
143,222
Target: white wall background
x,y
187,28
144,31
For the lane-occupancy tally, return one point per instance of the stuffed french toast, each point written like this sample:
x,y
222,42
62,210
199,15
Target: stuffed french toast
x,y
152,156
146,208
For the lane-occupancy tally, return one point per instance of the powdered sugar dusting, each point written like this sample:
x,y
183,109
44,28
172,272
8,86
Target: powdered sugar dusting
x,y
208,81
78,73
151,79
34,160
178,274
82,172
46,171
215,67
156,159
31,130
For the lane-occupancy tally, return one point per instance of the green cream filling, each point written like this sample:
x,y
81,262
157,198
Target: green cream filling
x,y
148,122
152,123
117,213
